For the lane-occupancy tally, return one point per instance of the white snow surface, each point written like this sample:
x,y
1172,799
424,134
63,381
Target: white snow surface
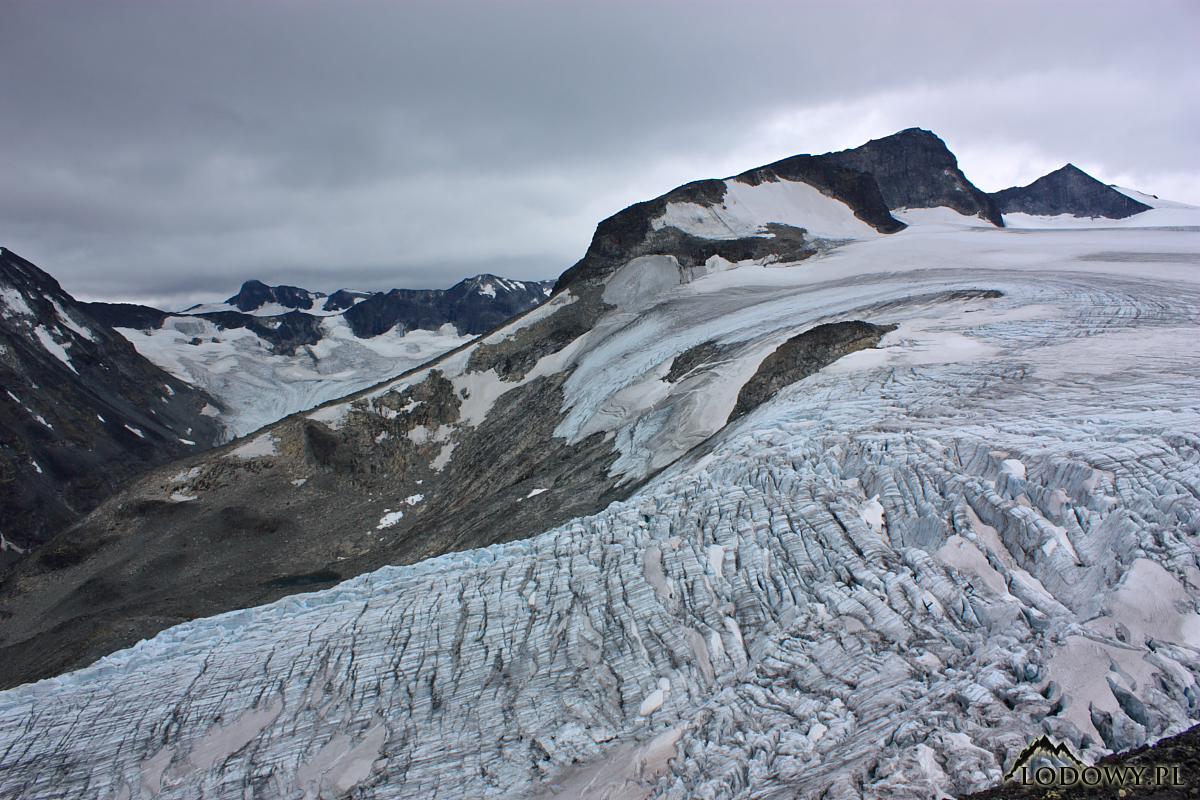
x,y
259,387
747,209
258,447
852,592
53,348
14,302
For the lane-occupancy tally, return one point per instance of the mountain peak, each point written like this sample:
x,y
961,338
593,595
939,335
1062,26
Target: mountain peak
x,y
1067,190
255,294
915,169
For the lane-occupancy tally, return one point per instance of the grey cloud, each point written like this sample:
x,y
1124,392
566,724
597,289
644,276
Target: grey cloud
x,y
171,149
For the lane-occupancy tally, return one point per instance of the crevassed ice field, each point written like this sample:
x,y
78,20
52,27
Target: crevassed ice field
x,y
879,583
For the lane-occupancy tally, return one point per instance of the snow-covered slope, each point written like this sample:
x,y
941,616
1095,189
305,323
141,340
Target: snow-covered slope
x,y
877,582
259,386
270,351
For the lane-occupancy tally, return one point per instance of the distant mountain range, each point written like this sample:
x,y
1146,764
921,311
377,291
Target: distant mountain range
x,y
269,351
82,410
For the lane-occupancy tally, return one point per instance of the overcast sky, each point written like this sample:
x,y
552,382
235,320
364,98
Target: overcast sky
x,y
164,152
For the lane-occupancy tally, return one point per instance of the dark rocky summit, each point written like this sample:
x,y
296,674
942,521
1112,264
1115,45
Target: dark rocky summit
x,y
630,233
915,169
473,306
81,410
343,299
1069,190
256,294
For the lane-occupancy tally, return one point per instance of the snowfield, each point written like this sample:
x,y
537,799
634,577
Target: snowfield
x,y
880,583
259,386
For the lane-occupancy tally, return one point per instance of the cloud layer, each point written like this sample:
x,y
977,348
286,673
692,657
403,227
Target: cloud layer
x,y
165,152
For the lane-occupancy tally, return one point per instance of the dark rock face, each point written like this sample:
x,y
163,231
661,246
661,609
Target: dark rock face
x,y
285,332
804,355
473,306
630,233
915,169
688,360
1069,190
256,294
81,410
343,299
127,315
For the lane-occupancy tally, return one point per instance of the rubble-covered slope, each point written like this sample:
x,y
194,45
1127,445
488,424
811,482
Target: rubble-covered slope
x,y
878,583
80,410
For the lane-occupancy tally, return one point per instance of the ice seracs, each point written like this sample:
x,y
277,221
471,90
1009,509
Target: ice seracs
x,y
881,579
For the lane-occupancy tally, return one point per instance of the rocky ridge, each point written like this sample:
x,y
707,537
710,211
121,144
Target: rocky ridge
x,y
81,410
915,169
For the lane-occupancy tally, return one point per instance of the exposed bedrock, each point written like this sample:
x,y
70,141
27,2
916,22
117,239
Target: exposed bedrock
x,y
803,355
80,409
915,169
1069,190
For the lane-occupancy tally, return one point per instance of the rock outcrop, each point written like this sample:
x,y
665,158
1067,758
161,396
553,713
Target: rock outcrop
x,y
803,355
1069,190
915,169
256,294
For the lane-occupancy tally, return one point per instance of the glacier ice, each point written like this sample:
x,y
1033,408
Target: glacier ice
x,y
879,583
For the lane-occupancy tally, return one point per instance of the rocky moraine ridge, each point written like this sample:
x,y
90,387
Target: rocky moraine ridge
x,y
792,488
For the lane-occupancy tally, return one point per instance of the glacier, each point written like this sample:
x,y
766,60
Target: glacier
x,y
880,583
259,386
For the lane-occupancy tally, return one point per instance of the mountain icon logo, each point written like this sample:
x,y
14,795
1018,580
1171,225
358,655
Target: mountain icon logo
x,y
1043,753
1045,763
